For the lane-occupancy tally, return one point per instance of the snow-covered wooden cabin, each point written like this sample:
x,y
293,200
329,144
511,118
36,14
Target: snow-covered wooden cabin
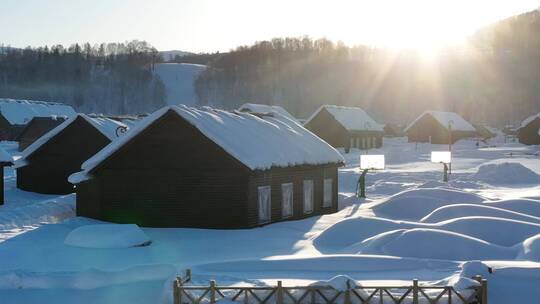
x,y
529,131
438,127
15,114
46,164
262,108
345,127
208,168
5,160
36,128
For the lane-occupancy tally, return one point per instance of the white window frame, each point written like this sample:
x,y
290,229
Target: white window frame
x,y
328,192
284,200
260,195
308,199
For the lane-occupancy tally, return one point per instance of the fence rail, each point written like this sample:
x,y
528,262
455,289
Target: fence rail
x,y
280,294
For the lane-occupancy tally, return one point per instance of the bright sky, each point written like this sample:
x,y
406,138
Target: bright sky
x,y
211,25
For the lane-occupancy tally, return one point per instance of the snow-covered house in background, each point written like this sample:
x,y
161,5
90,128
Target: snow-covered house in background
x,y
208,168
438,127
529,131
484,132
262,108
36,128
15,114
345,127
393,130
46,164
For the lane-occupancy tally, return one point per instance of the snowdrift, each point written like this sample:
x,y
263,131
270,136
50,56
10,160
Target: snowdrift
x,y
417,203
530,249
506,174
462,210
499,231
107,236
432,244
526,206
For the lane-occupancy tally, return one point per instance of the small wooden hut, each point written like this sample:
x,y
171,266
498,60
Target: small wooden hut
x,y
36,128
345,127
393,130
206,168
46,164
438,127
15,114
529,131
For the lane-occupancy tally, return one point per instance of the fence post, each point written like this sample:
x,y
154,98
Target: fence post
x,y
188,275
279,295
484,292
479,293
347,299
212,292
176,291
415,291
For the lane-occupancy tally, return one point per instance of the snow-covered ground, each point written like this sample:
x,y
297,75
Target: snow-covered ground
x,y
411,226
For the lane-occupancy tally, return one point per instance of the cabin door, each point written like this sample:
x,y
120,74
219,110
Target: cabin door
x,y
264,204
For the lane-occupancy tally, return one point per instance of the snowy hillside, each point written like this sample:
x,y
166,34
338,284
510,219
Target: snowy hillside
x,y
411,226
178,80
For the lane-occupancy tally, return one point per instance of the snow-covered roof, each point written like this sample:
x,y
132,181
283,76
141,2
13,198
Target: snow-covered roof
x,y
351,118
104,125
262,108
20,112
528,120
257,142
457,122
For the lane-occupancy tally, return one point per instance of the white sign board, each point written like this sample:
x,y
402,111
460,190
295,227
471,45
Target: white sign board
x,y
444,157
372,162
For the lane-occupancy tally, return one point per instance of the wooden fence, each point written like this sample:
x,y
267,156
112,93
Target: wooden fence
x,y
280,294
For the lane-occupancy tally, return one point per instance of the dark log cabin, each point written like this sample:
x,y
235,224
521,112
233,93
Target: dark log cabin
x,y
36,128
15,114
206,168
529,131
46,164
5,160
439,128
345,127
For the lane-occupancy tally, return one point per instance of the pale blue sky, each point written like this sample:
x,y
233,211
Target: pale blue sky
x,y
206,25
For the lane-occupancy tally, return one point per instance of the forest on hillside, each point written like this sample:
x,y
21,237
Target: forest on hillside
x,y
112,78
494,78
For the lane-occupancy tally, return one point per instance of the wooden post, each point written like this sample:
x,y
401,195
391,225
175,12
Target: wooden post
x,y
188,275
480,292
212,292
347,299
484,291
279,295
415,291
176,291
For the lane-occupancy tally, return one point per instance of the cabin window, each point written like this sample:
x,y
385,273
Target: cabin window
x,y
287,200
374,142
264,204
327,197
308,196
364,145
358,142
351,145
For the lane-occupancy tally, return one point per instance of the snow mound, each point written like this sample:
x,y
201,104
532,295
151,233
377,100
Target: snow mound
x,y
417,203
530,249
339,282
526,206
506,174
444,245
107,236
462,210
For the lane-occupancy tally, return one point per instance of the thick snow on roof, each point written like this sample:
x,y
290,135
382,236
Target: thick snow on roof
x,y
444,118
104,125
262,108
258,143
528,120
20,112
351,118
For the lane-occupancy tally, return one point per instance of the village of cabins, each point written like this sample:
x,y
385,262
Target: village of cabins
x,y
203,167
